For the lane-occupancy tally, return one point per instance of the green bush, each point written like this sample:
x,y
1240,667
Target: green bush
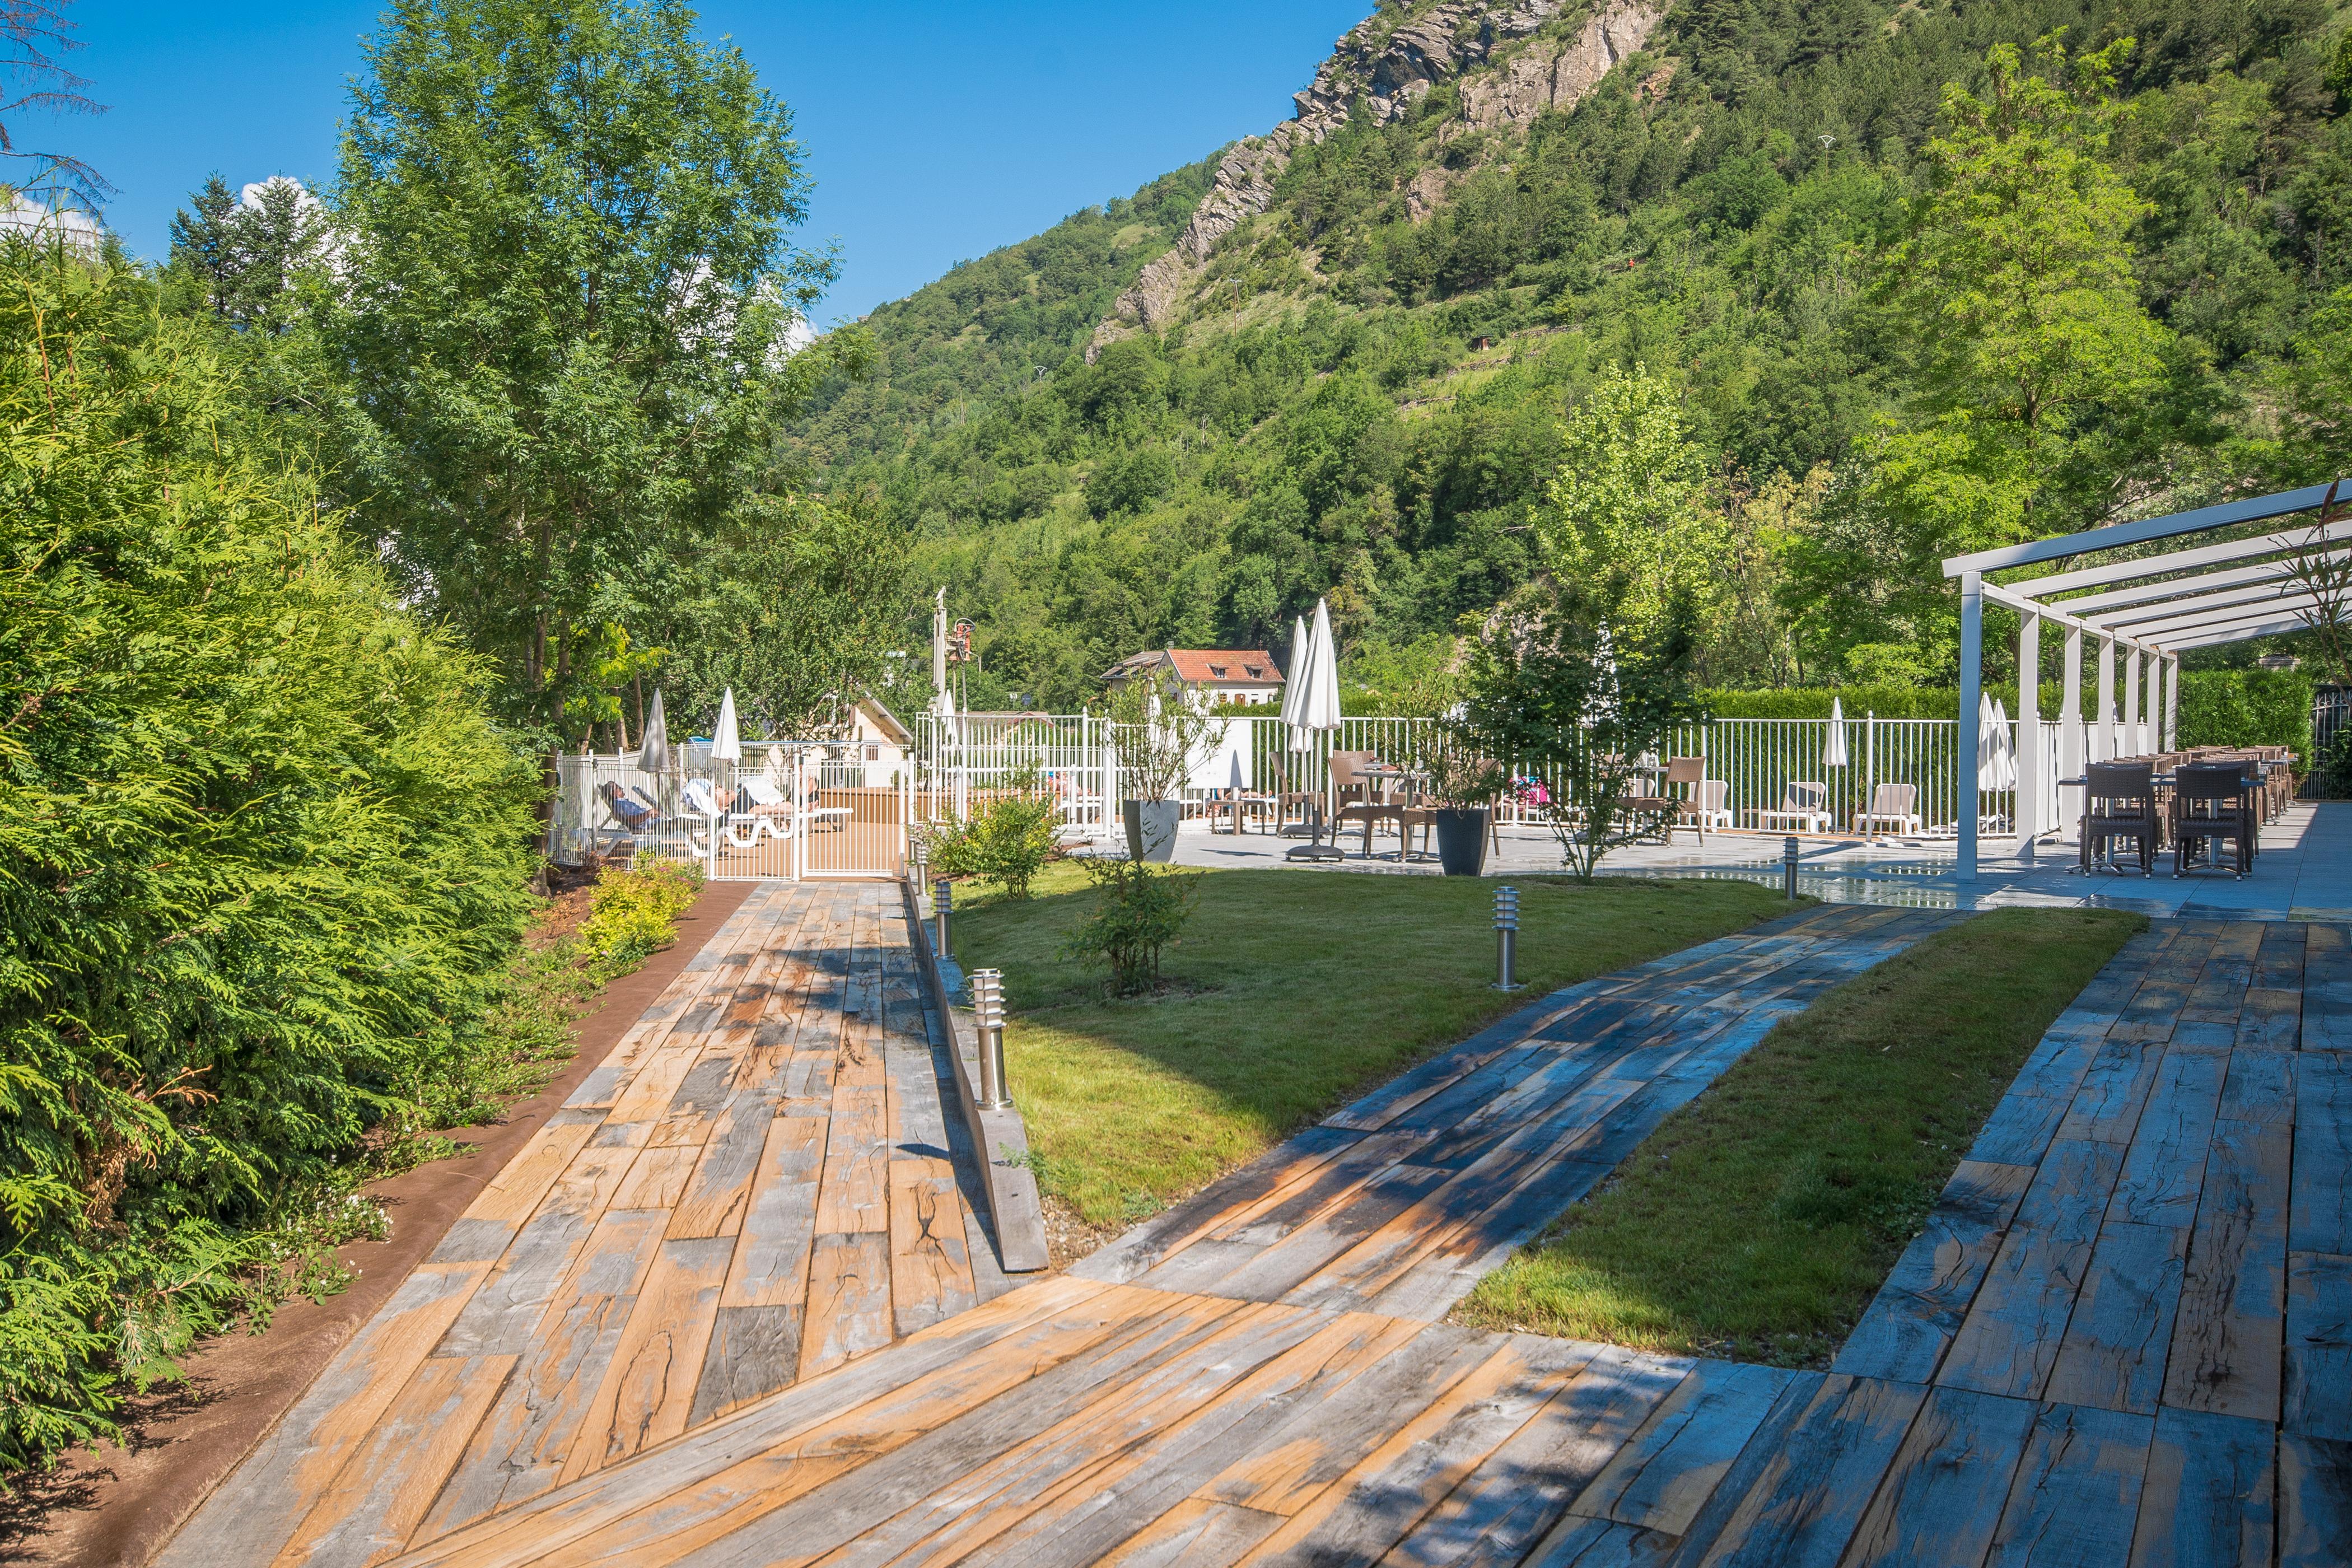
x,y
633,914
1007,841
2247,708
1139,911
262,859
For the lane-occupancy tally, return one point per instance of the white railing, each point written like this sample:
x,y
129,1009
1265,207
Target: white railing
x,y
1076,756
822,816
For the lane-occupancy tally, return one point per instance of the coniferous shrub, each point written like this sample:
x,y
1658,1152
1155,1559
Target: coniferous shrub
x,y
262,856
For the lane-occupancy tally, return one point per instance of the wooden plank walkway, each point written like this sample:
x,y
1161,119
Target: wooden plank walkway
x,y
759,1185
2125,1337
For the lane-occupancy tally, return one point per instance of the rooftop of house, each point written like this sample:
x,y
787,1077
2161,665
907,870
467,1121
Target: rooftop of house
x,y
1203,666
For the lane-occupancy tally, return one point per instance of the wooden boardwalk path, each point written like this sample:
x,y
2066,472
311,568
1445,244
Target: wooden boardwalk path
x,y
758,1185
2126,1336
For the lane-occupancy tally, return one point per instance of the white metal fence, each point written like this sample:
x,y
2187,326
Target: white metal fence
x,y
808,812
958,760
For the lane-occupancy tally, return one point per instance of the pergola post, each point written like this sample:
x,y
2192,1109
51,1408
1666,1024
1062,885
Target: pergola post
x,y
2030,760
2070,711
2156,702
2103,737
2134,737
2172,702
1971,695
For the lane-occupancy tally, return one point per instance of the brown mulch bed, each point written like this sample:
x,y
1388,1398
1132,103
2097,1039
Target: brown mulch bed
x,y
118,1504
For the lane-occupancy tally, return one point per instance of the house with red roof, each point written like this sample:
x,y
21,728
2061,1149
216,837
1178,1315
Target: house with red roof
x,y
1220,675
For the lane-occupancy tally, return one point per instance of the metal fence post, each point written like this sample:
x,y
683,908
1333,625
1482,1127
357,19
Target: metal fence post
x,y
1506,938
988,1021
943,905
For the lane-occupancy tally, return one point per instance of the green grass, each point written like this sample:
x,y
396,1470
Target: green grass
x,y
1759,1220
1291,993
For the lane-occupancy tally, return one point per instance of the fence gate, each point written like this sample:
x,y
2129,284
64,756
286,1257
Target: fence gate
x,y
849,827
792,809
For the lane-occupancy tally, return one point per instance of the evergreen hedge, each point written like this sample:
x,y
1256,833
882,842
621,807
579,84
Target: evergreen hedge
x,y
2247,708
262,856
1814,702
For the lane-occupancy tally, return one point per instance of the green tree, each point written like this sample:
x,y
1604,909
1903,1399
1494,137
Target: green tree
x,y
2010,292
568,291
244,261
1627,512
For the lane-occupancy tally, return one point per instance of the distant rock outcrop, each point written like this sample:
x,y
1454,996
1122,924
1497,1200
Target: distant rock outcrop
x,y
1386,67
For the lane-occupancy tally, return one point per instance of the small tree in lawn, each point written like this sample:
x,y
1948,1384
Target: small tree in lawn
x,y
1560,695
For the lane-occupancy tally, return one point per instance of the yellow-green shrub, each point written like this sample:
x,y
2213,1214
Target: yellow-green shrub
x,y
633,914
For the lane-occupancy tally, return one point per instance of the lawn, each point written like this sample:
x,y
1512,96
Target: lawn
x,y
1292,993
1760,1219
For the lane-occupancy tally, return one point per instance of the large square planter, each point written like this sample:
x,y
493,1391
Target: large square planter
x,y
1462,840
1152,828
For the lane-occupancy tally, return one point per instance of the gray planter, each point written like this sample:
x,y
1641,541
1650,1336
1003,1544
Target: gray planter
x,y
1462,840
1152,828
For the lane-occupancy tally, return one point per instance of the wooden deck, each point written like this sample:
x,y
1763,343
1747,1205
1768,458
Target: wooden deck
x,y
759,1185
2126,1336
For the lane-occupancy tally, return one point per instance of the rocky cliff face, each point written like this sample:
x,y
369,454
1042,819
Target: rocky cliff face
x,y
1384,68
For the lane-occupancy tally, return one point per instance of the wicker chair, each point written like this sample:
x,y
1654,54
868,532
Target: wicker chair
x,y
2212,805
2120,802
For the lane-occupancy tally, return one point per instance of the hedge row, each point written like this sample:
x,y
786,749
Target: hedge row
x,y
261,863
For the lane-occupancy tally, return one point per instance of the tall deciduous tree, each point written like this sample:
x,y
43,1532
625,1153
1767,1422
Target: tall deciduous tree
x,y
2012,292
1627,513
566,305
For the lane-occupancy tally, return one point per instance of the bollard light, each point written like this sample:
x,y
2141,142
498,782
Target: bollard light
x,y
943,905
987,1022
1506,938
1788,866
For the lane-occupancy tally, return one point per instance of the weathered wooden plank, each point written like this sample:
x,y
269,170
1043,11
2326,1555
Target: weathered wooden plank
x,y
2315,1502
648,1391
771,1253
2261,1087
658,1177
720,1190
1909,1323
2011,1335
2121,1331
376,1500
2114,1089
1942,1498
854,1192
2019,1131
1668,1469
2075,1498
1231,1199
1372,1507
1196,1534
1117,1499
2227,1340
2208,1496
256,1508
1268,1274
1521,1490
2317,1395
1809,1494
1582,1542
2326,987
2321,1217
2269,1020
849,1299
754,1351
2166,1168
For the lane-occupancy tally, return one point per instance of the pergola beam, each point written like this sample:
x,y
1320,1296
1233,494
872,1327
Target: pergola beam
x,y
2008,598
2193,560
2173,587
2148,620
2116,536
2287,614
2219,636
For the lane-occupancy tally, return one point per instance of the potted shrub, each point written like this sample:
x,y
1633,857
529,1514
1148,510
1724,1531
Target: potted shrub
x,y
1157,731
1462,789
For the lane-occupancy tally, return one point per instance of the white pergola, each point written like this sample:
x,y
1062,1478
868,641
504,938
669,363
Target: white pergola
x,y
2144,612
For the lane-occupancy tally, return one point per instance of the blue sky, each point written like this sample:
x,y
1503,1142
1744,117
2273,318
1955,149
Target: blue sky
x,y
935,131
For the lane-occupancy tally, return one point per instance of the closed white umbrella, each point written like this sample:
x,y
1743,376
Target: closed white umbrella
x,y
1833,754
1987,746
2005,742
1318,710
654,755
726,741
1294,689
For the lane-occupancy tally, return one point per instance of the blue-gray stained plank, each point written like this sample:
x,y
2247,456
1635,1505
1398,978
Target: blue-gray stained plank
x,y
2317,1396
1809,1496
2075,1500
2226,1341
1943,1498
2166,1167
1909,1324
2321,1217
2121,1329
2314,1506
1667,1469
2209,1496
2011,1336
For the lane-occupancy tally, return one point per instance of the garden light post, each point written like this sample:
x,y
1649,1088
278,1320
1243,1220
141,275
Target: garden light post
x,y
943,905
1506,938
1788,866
988,1023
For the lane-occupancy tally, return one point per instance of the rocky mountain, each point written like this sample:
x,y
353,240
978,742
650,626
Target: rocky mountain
x,y
1333,359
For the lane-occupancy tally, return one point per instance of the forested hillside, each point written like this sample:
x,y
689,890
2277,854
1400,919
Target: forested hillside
x,y
1845,325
